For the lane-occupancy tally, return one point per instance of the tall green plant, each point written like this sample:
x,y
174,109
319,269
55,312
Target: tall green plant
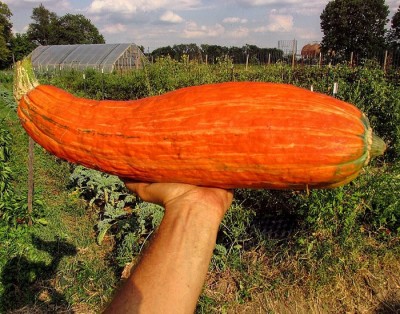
x,y
5,169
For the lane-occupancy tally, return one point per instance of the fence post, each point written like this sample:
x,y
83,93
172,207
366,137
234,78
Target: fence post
x,y
102,83
320,60
385,61
294,53
247,61
351,59
335,89
30,179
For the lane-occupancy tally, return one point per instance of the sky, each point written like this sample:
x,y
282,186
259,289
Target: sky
x,y
158,23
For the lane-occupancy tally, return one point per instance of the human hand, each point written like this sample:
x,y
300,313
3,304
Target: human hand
x,y
179,195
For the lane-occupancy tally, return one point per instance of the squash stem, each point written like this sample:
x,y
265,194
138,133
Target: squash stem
x,y
378,146
24,78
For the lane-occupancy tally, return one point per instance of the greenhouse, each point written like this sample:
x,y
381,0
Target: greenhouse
x,y
103,57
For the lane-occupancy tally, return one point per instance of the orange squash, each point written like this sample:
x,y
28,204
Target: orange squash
x,y
228,135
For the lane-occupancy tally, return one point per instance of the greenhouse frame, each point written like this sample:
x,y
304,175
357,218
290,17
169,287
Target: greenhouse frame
x,y
102,57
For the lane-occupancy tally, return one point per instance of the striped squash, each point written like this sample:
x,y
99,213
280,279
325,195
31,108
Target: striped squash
x,y
228,135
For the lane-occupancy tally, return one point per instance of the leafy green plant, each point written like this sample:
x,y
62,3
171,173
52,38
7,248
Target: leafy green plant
x,y
332,214
382,199
106,192
135,230
5,170
130,221
97,187
14,209
7,97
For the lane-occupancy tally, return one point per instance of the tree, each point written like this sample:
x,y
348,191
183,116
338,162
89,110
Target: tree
x,y
43,29
236,54
214,52
5,34
163,52
49,29
354,26
191,50
22,46
5,16
77,29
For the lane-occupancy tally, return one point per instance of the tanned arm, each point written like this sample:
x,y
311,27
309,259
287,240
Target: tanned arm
x,y
171,272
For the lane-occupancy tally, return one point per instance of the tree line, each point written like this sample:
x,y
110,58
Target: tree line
x,y
348,26
214,53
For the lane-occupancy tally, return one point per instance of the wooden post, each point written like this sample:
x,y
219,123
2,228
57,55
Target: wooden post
x,y
294,54
335,89
351,59
269,58
102,82
31,146
320,60
385,62
247,61
206,59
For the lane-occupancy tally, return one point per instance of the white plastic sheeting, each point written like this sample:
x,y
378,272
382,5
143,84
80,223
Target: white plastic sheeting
x,y
103,57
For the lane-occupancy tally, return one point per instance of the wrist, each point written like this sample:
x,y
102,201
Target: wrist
x,y
205,215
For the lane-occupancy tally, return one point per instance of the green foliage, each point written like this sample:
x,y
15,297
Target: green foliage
x,y
77,29
232,237
21,46
332,214
382,199
49,29
5,170
7,97
134,232
378,98
214,53
13,208
343,24
43,28
98,187
130,221
104,191
5,33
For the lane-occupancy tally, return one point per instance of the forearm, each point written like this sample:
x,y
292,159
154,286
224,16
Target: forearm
x,y
171,273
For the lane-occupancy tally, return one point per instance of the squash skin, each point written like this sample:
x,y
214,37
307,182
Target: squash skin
x,y
227,135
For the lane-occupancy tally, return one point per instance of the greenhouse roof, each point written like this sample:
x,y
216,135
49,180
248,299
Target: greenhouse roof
x,y
105,57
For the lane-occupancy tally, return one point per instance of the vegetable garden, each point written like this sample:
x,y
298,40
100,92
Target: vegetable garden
x,y
328,250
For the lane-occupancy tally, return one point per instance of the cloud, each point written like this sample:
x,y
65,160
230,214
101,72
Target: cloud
x,y
256,3
299,7
132,7
192,30
240,32
171,17
277,23
113,28
51,5
234,20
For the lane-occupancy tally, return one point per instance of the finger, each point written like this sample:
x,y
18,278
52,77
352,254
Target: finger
x,y
148,192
